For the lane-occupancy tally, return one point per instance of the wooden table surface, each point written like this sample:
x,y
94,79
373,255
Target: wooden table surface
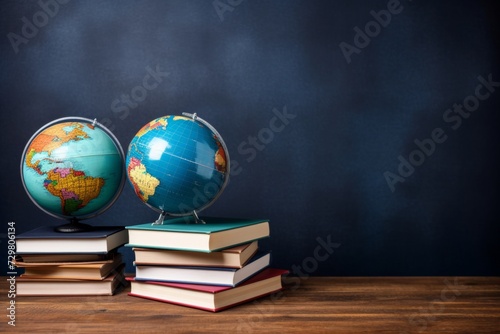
x,y
307,305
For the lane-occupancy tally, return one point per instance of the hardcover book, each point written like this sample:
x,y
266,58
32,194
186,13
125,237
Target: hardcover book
x,y
49,258
215,234
90,270
209,297
234,257
64,287
101,239
202,275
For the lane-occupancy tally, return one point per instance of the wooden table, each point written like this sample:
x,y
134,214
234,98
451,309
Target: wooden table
x,y
307,305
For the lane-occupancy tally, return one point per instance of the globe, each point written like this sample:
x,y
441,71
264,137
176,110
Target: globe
x,y
177,165
73,169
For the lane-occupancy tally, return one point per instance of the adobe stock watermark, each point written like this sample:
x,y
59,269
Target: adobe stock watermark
x,y
453,117
427,315
94,306
323,251
12,272
31,26
373,28
223,6
248,148
122,106
255,143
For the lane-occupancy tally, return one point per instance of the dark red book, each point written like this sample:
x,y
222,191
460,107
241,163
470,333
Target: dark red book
x,y
209,297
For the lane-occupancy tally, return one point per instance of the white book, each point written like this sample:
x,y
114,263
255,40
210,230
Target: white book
x,y
203,275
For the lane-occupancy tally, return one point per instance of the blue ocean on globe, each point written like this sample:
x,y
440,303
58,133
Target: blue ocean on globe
x,y
177,165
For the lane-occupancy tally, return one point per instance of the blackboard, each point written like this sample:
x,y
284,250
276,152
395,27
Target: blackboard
x,y
366,131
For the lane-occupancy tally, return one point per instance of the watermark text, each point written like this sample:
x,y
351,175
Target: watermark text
x,y
452,117
11,278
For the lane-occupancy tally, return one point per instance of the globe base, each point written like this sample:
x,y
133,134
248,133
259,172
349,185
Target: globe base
x,y
188,219
73,227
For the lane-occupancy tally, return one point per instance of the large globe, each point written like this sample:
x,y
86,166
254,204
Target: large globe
x,y
73,168
177,165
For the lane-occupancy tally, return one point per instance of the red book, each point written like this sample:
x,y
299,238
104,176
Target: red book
x,y
209,297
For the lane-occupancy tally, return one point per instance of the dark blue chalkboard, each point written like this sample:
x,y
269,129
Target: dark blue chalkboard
x,y
366,131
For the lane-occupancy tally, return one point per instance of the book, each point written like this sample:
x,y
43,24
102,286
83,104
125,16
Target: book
x,y
234,257
209,297
64,287
215,234
89,270
46,258
204,275
101,239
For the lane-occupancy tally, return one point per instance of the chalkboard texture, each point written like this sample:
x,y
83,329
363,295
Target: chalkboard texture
x,y
366,131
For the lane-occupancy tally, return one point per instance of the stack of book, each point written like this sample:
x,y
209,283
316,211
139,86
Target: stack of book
x,y
211,266
80,263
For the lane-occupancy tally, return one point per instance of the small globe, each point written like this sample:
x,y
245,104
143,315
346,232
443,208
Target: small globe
x,y
72,168
177,165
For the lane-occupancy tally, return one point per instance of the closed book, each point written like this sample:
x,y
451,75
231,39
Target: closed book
x,y
101,239
202,275
209,297
49,258
65,287
215,234
91,270
234,257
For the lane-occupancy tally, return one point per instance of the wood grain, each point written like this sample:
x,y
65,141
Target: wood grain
x,y
311,305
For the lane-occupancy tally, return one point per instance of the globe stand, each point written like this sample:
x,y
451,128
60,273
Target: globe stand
x,y
197,219
73,226
161,218
99,149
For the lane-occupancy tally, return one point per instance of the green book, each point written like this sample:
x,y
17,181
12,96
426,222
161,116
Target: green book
x,y
214,235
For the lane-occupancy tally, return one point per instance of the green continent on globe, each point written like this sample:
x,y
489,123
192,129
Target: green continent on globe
x,y
144,183
74,188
